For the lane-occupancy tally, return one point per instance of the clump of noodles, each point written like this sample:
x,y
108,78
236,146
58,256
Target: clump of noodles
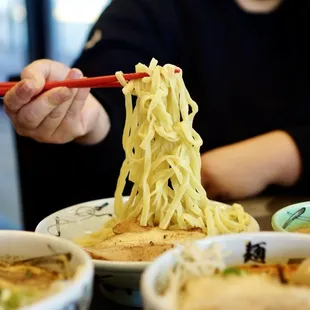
x,y
193,262
162,158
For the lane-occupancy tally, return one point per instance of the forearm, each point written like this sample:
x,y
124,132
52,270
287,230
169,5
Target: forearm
x,y
286,160
100,126
246,168
277,158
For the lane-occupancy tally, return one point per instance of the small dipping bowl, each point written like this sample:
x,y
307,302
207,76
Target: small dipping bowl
x,y
293,218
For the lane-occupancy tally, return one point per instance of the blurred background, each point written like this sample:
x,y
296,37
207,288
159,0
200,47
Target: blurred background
x,y
29,30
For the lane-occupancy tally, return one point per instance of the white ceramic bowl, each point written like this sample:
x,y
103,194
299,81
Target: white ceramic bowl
x,y
118,281
78,293
278,247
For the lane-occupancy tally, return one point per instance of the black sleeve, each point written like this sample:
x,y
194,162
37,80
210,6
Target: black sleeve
x,y
131,31
54,176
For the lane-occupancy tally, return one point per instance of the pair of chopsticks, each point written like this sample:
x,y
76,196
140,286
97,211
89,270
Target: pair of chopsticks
x,y
109,81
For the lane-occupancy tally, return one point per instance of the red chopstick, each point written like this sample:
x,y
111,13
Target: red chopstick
x,y
109,81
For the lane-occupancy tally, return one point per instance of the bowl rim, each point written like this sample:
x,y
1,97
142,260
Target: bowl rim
x,y
81,276
126,267
275,217
147,277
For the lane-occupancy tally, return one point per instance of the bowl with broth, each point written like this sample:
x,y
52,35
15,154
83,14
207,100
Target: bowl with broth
x,y
121,258
267,270
43,272
293,218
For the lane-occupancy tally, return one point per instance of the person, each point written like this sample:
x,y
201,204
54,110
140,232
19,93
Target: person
x,y
246,64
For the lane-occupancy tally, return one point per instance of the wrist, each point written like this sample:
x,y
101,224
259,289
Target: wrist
x,y
99,128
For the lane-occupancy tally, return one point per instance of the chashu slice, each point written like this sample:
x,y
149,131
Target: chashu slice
x,y
129,226
135,243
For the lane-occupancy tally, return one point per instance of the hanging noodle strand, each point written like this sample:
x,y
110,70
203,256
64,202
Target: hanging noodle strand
x,y
162,161
162,158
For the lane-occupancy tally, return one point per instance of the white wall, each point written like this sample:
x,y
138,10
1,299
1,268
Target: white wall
x,y
9,187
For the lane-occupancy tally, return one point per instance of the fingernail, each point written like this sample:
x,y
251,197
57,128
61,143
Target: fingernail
x,y
35,78
24,89
60,96
27,86
75,74
37,84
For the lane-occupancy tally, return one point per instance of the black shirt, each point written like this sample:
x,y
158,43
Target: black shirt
x,y
248,72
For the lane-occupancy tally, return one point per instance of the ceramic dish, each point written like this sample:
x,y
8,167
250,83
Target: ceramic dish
x,y
118,281
78,292
292,218
264,247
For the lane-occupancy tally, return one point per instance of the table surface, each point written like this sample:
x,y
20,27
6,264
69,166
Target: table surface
x,y
261,208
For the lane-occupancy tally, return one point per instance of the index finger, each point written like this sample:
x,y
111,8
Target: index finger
x,y
34,77
19,95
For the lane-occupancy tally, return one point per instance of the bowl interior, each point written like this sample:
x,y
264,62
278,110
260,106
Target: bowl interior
x,y
292,217
264,247
84,218
22,245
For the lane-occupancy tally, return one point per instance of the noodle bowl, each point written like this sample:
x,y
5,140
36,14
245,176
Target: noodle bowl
x,y
258,271
43,272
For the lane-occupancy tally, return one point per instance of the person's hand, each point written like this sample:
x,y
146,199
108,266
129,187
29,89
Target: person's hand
x,y
246,168
59,115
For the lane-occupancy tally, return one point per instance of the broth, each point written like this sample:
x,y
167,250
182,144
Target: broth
x,y
304,230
